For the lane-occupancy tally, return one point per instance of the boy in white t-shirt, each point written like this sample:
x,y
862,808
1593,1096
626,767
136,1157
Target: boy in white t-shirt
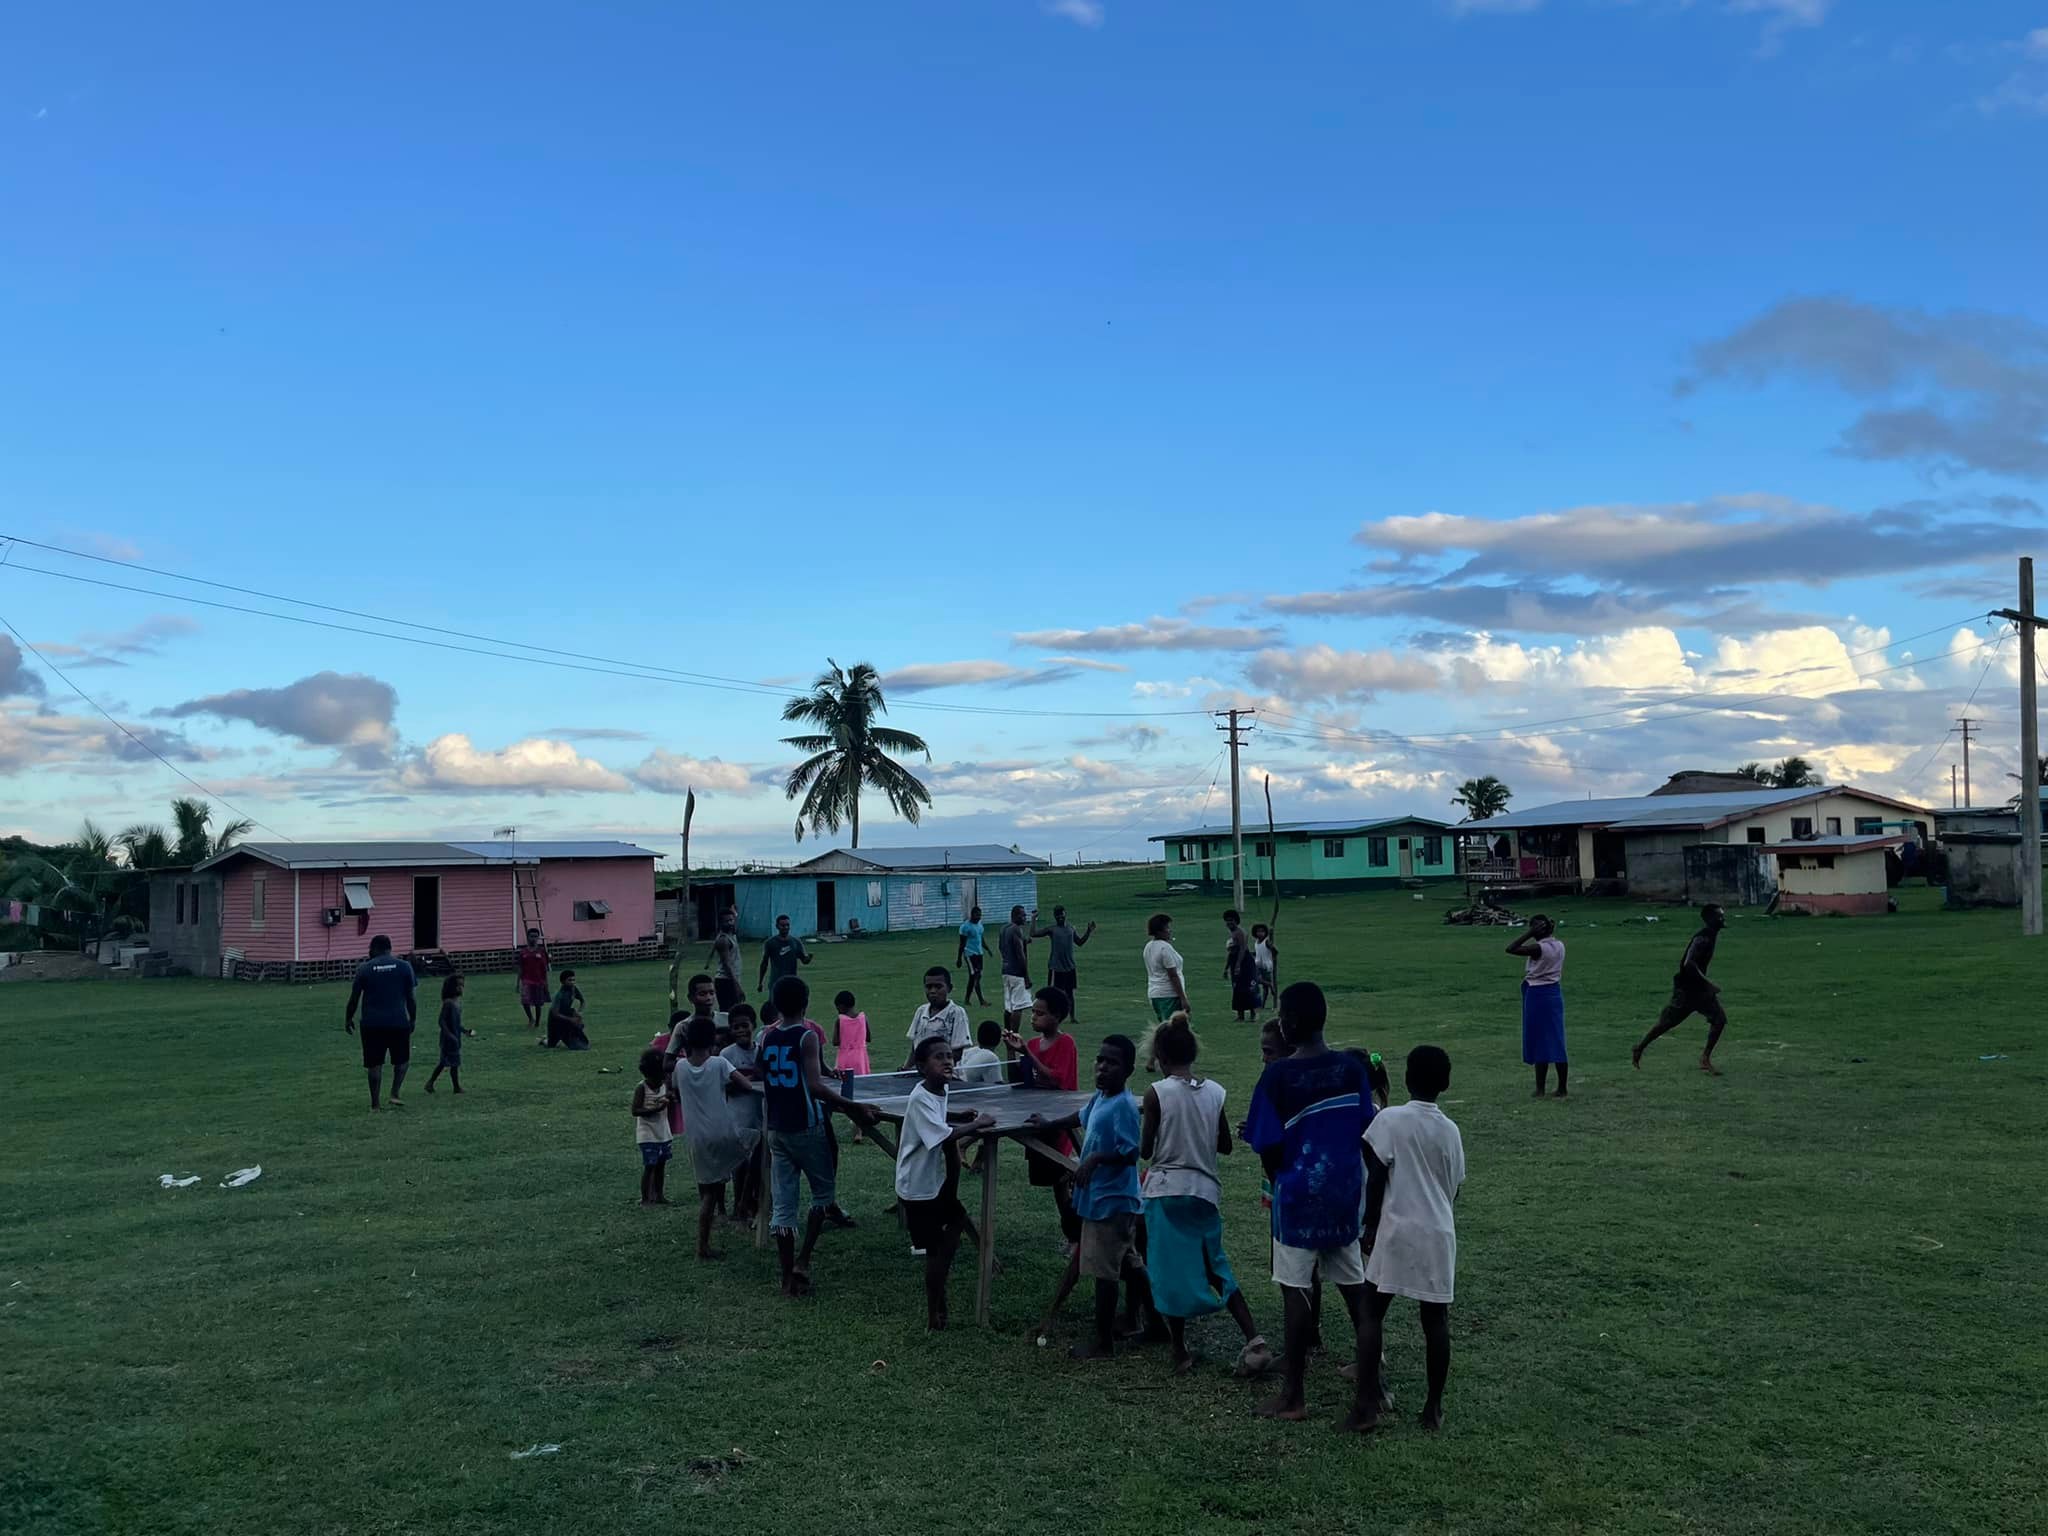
x,y
1415,1165
928,1171
979,1066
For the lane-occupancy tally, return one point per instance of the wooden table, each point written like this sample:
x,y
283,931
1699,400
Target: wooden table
x,y
1009,1105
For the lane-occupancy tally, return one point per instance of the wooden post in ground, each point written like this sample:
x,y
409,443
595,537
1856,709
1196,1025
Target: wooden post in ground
x,y
986,1267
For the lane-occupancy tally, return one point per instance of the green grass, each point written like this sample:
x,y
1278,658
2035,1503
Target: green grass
x,y
1806,1296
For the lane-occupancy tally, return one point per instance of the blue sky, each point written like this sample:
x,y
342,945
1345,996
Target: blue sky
x,y
1404,369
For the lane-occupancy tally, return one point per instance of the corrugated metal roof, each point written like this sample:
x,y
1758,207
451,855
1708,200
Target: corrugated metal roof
x,y
387,854
939,856
583,850
1306,828
1646,812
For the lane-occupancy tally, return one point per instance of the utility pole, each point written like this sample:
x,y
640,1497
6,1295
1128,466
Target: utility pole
x,y
1967,725
2030,756
1232,717
1953,800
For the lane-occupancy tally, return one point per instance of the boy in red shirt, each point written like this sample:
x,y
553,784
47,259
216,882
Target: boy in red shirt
x,y
1050,1059
533,979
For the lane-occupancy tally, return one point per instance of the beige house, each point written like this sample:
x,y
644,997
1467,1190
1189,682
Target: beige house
x,y
1842,876
1704,847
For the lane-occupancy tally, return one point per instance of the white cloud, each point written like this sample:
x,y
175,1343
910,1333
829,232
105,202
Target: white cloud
x,y
1969,652
1082,13
1323,672
672,773
351,712
1086,663
453,762
1159,689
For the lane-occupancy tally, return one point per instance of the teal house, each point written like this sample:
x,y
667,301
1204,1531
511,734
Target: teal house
x,y
1315,855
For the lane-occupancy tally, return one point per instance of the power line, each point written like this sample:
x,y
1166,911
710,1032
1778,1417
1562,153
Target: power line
x,y
1145,804
1989,662
28,646
495,647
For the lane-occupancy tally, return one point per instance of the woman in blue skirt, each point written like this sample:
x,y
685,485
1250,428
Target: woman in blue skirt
x,y
1542,1001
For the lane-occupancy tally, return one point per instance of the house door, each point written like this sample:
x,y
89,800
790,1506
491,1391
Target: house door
x,y
1407,856
426,913
828,906
970,896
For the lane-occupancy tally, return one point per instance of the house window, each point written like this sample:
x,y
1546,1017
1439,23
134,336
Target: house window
x,y
1333,847
1376,852
1756,834
1869,826
258,890
1834,826
181,901
874,893
1802,826
591,911
1432,850
1262,850
1827,861
355,896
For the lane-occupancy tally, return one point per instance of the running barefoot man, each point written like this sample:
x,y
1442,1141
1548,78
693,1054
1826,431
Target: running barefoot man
x,y
1692,993
533,979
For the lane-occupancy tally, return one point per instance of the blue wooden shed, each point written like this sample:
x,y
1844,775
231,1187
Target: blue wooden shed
x,y
887,890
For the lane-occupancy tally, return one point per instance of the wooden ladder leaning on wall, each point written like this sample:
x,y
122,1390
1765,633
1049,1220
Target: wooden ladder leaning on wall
x,y
526,883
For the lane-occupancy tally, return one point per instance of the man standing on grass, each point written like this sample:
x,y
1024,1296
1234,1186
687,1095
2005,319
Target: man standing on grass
x,y
384,991
970,955
1016,950
781,954
533,965
1692,993
725,963
1061,965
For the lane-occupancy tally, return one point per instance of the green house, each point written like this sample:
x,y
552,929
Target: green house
x,y
1314,855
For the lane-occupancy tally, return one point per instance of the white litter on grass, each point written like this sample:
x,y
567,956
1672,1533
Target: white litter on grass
x,y
172,1181
242,1176
536,1450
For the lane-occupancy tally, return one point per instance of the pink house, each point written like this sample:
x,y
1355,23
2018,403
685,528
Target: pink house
x,y
308,911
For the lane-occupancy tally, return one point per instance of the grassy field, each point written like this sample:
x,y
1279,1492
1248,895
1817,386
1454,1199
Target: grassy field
x,y
1806,1296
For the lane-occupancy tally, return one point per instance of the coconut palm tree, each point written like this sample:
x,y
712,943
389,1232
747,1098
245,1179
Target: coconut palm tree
x,y
145,847
1796,773
849,753
1756,771
1482,798
194,844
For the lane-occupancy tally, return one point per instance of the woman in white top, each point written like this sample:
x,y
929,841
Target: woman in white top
x,y
1183,1131
1164,970
1542,1001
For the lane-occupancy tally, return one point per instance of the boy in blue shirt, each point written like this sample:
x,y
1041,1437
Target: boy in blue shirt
x,y
1308,1115
1106,1194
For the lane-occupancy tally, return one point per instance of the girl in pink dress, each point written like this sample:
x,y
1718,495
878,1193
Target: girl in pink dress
x,y
850,1042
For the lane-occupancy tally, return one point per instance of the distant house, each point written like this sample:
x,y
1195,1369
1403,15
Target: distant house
x,y
1834,876
1319,855
1705,781
875,890
1677,847
307,911
1986,818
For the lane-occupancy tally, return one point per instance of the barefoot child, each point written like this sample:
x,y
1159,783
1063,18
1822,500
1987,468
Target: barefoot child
x,y
1418,1162
451,1035
746,1113
1308,1114
928,1171
1542,954
850,1043
1692,993
708,1088
1184,1130
979,1066
1106,1188
1050,1059
650,1128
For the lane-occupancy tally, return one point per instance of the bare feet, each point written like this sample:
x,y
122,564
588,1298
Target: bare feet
x,y
1362,1421
710,1255
393,1103
1431,1419
935,1322
458,1090
798,1284
1089,1351
1635,1058
1537,1094
1183,1362
1706,1065
430,1087
1284,1408
1560,1094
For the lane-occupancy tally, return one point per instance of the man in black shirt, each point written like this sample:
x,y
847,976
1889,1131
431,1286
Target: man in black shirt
x,y
384,991
1692,993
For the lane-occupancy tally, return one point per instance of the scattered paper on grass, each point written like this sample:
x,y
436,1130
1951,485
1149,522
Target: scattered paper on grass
x,y
1931,1244
242,1176
547,1449
172,1181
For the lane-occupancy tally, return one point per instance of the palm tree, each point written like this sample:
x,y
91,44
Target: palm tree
x,y
194,846
1482,798
146,847
1756,771
849,753
1796,773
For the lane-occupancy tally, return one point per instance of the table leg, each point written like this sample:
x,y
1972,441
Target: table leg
x,y
987,1266
761,1197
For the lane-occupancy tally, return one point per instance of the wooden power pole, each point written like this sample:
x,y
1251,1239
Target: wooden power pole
x,y
1967,725
1232,717
2029,624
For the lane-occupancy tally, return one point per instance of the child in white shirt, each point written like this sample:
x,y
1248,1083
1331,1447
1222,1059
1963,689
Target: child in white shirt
x,y
1415,1165
928,1171
979,1066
